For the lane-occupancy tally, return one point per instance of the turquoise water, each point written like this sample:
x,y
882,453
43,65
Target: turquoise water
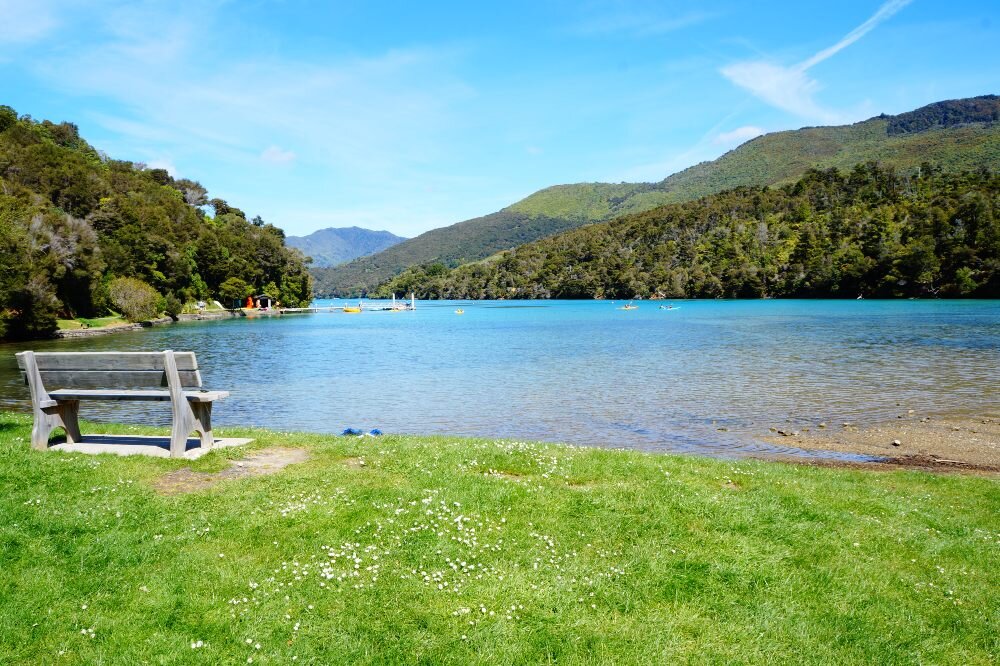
x,y
705,377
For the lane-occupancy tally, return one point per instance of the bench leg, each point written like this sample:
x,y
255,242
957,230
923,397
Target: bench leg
x,y
183,424
203,422
63,415
69,411
190,417
46,420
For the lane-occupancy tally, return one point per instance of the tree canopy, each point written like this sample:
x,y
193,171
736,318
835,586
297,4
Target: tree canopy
x,y
871,231
72,220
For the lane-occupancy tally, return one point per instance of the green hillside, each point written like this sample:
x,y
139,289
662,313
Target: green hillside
x,y
956,135
81,233
870,231
333,246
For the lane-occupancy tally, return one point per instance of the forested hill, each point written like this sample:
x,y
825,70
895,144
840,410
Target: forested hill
x,y
330,247
871,231
955,135
72,221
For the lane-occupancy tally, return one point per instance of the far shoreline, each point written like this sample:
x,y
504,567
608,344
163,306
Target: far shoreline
x,y
76,333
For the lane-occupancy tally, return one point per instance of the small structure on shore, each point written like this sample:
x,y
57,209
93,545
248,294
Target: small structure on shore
x,y
264,301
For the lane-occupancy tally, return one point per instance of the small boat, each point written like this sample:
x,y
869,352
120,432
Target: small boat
x,y
629,306
352,309
460,311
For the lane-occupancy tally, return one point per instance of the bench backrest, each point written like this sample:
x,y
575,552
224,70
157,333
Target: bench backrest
x,y
96,370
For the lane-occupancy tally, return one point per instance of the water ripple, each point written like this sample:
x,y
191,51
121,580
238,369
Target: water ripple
x,y
710,377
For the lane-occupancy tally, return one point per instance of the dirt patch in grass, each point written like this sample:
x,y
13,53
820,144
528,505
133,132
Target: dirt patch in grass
x,y
258,463
503,474
930,443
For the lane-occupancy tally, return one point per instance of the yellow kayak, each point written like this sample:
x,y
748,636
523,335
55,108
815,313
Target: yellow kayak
x,y
352,310
459,311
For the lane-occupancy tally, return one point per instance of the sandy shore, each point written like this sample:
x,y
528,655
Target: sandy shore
x,y
939,443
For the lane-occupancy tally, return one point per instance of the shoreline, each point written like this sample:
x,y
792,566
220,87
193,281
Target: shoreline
x,y
947,444
74,333
939,443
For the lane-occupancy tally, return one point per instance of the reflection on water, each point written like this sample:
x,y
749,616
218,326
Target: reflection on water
x,y
709,377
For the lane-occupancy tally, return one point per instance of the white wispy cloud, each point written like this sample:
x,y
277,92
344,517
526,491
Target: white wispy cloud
x,y
738,135
371,118
275,155
23,22
163,164
790,88
638,23
884,12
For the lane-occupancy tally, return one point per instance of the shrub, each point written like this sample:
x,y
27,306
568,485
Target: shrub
x,y
135,300
173,306
233,291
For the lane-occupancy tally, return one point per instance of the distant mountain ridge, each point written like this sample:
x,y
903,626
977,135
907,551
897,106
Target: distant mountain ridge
x,y
955,135
333,246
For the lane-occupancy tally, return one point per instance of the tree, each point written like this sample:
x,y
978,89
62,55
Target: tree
x,y
35,307
194,193
136,300
173,306
8,117
233,291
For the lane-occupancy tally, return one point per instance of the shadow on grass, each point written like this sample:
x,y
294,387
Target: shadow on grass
x,y
153,442
7,426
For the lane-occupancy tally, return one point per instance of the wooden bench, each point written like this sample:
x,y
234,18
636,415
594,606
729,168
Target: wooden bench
x,y
59,381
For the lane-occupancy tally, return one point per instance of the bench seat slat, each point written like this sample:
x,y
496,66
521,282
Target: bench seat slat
x,y
123,378
110,361
149,394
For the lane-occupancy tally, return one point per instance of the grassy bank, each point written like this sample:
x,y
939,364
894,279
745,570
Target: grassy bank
x,y
97,322
438,550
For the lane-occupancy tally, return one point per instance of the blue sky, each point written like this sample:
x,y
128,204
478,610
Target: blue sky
x,y
408,116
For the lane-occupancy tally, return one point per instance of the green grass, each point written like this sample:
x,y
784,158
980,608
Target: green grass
x,y
444,550
96,322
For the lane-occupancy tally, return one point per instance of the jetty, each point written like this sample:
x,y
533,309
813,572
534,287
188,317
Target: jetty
x,y
394,306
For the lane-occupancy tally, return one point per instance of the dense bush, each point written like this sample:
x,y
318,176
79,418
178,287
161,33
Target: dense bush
x,y
134,299
871,232
71,219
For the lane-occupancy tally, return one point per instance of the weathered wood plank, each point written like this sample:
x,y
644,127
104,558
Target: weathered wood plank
x,y
109,361
115,378
146,394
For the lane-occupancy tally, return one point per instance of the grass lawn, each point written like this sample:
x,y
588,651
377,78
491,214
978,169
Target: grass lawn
x,y
96,322
443,550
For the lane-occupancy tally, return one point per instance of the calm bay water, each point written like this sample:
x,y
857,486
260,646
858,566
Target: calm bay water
x,y
584,372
